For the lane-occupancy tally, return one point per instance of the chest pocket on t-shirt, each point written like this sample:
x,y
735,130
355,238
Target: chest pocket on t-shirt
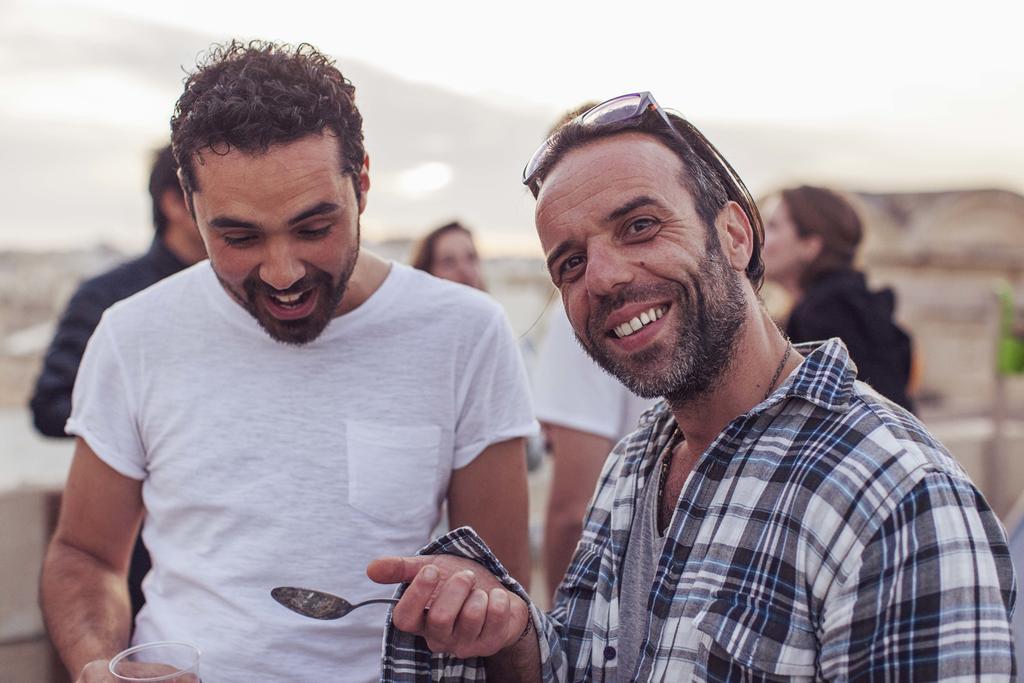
x,y
393,469
751,640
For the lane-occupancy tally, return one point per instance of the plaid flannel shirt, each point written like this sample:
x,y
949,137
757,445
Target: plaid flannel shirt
x,y
824,535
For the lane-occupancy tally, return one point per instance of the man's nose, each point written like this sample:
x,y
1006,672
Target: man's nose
x,y
282,268
607,269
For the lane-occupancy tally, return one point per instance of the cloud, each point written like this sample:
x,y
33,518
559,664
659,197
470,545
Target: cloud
x,y
88,94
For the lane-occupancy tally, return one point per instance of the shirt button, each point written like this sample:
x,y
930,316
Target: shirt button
x,y
609,653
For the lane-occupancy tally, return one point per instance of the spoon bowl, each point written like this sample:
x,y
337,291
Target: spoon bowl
x,y
318,604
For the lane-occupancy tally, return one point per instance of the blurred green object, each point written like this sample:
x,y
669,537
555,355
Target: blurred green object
x,y
1010,354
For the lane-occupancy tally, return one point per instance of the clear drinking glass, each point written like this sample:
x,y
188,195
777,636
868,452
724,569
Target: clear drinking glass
x,y
168,661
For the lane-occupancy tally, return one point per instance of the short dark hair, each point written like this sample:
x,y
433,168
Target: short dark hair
x,y
826,213
423,250
573,113
249,96
163,177
703,174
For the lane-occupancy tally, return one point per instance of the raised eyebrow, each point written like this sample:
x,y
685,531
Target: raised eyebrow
x,y
557,252
632,205
318,210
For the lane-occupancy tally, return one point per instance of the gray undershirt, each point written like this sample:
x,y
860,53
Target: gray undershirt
x,y
643,552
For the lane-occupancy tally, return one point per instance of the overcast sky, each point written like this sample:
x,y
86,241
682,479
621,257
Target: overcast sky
x,y
879,96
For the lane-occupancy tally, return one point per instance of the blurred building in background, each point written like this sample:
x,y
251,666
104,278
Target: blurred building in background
x,y
946,254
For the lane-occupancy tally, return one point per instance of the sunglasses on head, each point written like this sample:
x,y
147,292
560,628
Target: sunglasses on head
x,y
624,109
628,110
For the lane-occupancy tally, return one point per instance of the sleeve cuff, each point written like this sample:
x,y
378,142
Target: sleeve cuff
x,y
120,465
464,542
469,453
406,658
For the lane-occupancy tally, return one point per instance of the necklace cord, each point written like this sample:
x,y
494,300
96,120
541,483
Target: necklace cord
x,y
778,371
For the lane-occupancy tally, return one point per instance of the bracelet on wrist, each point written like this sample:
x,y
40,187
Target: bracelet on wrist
x,y
526,631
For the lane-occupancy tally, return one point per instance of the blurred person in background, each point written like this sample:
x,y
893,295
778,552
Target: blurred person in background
x,y
449,252
177,244
281,413
811,239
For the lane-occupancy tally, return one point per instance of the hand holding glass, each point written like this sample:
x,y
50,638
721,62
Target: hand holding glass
x,y
164,661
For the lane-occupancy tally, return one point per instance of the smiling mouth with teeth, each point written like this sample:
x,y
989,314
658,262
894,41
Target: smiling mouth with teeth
x,y
631,326
290,300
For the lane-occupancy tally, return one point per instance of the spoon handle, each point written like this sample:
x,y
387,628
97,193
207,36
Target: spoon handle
x,y
390,601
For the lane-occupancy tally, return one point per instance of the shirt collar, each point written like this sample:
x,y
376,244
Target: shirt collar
x,y
824,378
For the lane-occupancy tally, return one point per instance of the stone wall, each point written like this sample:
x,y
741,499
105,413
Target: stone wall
x,y
944,254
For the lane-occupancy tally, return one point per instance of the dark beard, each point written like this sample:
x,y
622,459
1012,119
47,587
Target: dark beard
x,y
304,330
711,311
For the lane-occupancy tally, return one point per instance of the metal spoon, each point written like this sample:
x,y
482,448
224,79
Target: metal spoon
x,y
317,604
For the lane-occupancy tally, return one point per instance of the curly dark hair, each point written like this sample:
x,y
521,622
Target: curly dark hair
x,y
706,174
249,96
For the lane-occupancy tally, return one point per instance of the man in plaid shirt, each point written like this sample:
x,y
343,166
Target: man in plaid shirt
x,y
772,518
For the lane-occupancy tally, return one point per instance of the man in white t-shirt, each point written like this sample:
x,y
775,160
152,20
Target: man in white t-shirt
x,y
284,412
584,412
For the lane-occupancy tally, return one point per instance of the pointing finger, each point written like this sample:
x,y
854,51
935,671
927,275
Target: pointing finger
x,y
396,569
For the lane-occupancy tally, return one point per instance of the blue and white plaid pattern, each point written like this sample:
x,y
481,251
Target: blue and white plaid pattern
x,y
825,535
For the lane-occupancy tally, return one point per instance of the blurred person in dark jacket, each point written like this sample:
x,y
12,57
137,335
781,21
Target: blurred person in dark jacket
x,y
811,241
177,244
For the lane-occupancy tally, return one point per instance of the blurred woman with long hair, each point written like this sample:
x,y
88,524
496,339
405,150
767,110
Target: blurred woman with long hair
x,y
811,241
449,252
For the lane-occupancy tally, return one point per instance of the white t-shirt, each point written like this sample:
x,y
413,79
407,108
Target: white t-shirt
x,y
571,390
270,465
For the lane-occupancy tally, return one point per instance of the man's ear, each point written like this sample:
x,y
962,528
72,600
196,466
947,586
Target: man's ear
x,y
186,197
736,235
172,205
364,182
